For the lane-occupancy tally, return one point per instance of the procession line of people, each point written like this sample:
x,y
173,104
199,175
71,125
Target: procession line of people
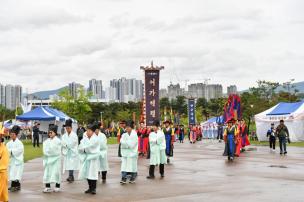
x,y
89,156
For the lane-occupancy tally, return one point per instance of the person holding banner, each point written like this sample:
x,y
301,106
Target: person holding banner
x,y
16,150
169,135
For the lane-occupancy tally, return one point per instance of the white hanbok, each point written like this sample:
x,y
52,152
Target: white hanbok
x,y
129,152
16,152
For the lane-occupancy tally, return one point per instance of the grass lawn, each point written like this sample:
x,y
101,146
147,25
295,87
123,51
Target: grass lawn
x,y
266,143
31,153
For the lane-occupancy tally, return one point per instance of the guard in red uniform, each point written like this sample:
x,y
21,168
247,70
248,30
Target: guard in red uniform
x,y
143,139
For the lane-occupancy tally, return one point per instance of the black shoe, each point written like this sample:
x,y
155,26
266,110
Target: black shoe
x,y
162,175
93,192
132,181
88,191
150,177
168,160
103,180
281,153
72,179
123,181
285,153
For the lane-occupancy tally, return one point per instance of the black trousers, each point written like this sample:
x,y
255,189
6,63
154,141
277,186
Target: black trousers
x,y
161,169
104,175
36,140
272,142
92,184
79,139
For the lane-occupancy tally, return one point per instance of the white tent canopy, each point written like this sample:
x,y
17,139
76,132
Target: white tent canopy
x,y
291,113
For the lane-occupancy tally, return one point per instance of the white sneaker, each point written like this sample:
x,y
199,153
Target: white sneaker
x,y
273,150
57,190
47,190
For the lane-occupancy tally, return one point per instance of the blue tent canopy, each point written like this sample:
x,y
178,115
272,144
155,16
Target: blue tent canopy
x,y
39,114
43,114
284,108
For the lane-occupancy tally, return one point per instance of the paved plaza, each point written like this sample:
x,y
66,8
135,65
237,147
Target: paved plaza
x,y
198,172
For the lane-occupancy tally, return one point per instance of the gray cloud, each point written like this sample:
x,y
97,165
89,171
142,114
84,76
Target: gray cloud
x,y
50,43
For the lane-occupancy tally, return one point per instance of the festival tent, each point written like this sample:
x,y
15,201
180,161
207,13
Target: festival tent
x,y
46,116
291,113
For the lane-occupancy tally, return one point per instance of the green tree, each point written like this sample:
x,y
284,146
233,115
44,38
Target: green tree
x,y
77,108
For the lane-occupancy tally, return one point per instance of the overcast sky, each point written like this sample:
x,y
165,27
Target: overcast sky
x,y
47,44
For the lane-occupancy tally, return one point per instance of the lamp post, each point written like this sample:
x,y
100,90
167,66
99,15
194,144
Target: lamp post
x,y
101,116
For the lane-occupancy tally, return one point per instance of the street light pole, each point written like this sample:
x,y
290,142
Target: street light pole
x,y
101,116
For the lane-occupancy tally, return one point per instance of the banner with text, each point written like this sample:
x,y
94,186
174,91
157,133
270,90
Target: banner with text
x,y
152,96
191,111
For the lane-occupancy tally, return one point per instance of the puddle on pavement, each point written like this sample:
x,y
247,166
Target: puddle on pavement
x,y
277,166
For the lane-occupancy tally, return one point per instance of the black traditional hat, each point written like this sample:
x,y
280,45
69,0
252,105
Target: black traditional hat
x,y
91,126
156,123
68,123
15,129
130,124
53,128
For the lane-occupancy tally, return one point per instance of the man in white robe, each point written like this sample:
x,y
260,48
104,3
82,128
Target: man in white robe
x,y
158,156
89,153
16,151
70,151
52,161
129,153
103,159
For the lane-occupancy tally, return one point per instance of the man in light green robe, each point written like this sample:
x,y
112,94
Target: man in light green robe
x,y
158,156
89,153
16,151
103,159
52,161
70,151
129,153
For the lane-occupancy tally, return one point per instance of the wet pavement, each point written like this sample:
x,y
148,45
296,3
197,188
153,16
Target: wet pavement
x,y
198,172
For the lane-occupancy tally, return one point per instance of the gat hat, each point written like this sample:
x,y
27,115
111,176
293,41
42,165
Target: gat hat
x,y
130,124
156,123
15,129
53,128
68,123
91,127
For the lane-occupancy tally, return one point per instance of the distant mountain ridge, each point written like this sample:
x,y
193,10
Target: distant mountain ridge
x,y
44,95
298,85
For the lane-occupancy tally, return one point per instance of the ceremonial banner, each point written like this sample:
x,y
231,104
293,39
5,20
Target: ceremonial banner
x,y
191,111
152,96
